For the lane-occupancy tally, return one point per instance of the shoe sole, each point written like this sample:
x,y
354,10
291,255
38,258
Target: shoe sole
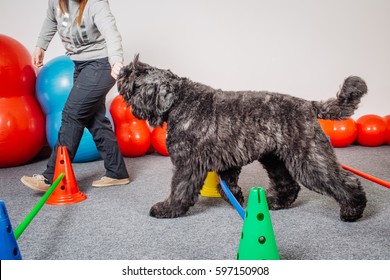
x,y
33,187
118,182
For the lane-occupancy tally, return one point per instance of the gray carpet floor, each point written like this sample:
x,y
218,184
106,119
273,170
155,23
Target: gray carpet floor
x,y
113,223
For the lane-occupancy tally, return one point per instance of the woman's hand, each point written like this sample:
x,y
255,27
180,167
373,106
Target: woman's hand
x,y
116,68
37,57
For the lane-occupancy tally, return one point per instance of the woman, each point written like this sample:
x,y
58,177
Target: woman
x,y
89,34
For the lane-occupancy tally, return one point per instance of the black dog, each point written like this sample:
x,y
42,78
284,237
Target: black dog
x,y
215,130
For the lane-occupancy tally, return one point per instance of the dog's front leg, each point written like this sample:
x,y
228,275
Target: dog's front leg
x,y
185,186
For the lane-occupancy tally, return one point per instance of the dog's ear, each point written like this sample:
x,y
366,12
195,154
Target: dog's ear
x,y
134,64
126,80
165,97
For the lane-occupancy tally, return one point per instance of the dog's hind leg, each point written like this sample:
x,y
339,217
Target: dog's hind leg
x,y
185,187
317,168
283,189
230,177
352,204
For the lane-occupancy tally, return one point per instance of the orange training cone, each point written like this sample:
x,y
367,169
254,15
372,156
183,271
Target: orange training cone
x,y
67,191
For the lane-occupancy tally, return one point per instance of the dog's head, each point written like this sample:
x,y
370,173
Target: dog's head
x,y
148,90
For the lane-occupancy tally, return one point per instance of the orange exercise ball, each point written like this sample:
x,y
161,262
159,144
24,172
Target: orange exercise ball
x,y
159,139
341,133
371,130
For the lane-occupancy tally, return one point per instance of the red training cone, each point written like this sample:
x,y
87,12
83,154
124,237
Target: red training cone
x,y
67,191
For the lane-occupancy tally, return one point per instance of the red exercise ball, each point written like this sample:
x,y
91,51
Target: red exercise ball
x,y
371,130
387,118
326,126
133,135
22,123
159,139
342,133
17,75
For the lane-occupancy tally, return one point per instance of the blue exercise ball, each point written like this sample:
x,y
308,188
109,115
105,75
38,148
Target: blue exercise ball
x,y
54,82
53,85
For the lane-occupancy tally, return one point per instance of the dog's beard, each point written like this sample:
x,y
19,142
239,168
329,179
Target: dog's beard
x,y
125,89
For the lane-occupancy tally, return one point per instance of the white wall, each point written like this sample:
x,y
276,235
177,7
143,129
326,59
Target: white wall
x,y
300,47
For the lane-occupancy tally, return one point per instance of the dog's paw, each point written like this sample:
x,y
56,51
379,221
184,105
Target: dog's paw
x,y
275,203
350,214
166,210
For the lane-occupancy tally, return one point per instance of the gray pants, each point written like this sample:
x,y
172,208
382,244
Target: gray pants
x,y
85,107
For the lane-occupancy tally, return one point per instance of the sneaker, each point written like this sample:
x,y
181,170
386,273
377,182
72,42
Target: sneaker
x,y
108,182
37,182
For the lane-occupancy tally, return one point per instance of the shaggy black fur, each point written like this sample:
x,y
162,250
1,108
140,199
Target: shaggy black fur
x,y
214,130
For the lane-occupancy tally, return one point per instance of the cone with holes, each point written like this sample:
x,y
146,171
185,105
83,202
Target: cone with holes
x,y
9,249
67,191
257,237
210,187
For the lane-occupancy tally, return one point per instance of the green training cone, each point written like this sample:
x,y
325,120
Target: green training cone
x,y
257,236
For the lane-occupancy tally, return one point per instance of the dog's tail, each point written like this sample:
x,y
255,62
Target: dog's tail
x,y
347,101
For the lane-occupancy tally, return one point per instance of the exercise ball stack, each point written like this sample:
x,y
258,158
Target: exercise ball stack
x,y
22,123
132,134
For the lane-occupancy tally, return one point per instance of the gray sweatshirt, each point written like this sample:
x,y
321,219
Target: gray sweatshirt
x,y
96,37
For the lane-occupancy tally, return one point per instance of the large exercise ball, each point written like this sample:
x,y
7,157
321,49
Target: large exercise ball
x,y
54,83
132,134
387,118
159,139
341,133
22,123
17,75
371,130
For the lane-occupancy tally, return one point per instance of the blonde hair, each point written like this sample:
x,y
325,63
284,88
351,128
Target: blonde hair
x,y
64,8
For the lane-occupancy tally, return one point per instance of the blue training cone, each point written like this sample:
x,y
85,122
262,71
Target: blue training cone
x,y
9,249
